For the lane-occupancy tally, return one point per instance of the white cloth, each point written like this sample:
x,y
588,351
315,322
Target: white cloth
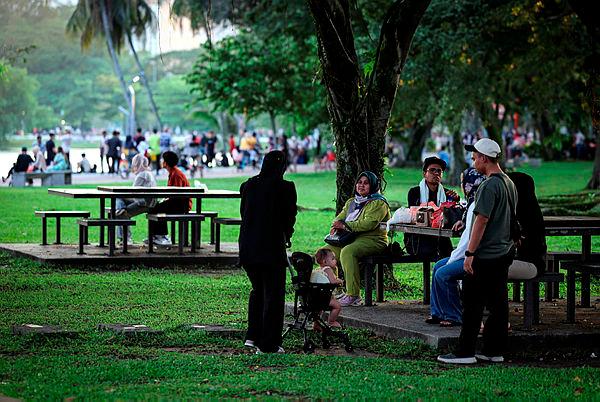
x,y
319,276
424,192
355,208
459,251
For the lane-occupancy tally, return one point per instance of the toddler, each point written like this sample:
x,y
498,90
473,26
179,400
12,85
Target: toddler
x,y
326,273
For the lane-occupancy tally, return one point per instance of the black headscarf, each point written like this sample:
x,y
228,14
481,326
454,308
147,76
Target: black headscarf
x,y
529,215
273,166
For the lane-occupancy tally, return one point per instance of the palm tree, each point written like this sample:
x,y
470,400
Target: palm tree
x,y
117,21
91,19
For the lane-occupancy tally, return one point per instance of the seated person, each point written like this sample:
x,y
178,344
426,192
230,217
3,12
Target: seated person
x,y
445,306
39,165
23,163
361,215
530,258
430,189
327,273
129,207
170,205
59,162
84,166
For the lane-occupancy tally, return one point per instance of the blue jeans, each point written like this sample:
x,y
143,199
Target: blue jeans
x,y
134,206
445,300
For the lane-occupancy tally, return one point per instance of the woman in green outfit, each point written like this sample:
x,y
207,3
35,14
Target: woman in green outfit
x,y
361,215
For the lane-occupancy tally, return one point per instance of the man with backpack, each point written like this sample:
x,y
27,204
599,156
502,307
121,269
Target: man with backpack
x,y
490,252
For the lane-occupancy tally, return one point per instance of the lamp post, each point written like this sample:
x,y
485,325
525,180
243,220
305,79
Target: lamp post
x,y
132,105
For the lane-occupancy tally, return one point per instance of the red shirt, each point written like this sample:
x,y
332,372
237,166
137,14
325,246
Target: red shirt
x,y
178,179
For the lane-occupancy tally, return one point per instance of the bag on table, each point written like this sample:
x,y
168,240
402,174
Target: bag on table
x,y
401,215
340,238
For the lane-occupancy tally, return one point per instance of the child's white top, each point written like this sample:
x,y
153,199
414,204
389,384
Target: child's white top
x,y
319,275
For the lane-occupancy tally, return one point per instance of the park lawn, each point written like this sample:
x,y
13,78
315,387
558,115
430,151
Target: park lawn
x,y
180,363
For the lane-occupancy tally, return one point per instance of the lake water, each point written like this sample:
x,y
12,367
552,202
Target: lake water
x,y
7,158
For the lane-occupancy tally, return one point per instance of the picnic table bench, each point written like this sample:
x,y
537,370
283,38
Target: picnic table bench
x,y
58,215
586,269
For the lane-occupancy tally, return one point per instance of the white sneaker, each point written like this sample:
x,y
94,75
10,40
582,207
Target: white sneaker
x,y
167,238
491,359
160,240
249,343
279,350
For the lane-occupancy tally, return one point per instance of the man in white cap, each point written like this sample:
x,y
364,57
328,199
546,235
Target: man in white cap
x,y
489,254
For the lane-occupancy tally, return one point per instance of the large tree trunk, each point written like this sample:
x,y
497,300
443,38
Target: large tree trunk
x,y
458,158
360,112
112,52
418,136
273,122
546,131
145,82
587,12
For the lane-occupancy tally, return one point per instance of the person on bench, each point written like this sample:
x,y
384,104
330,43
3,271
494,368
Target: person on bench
x,y
129,207
39,165
23,163
361,215
59,162
531,250
446,308
170,205
430,189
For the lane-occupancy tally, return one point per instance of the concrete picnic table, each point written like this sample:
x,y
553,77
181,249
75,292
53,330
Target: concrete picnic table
x,y
112,193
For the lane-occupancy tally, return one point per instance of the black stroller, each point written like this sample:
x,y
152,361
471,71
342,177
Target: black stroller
x,y
309,301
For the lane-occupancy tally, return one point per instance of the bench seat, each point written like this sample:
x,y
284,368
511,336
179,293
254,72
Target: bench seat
x,y
182,220
586,269
58,215
531,302
51,178
111,224
218,223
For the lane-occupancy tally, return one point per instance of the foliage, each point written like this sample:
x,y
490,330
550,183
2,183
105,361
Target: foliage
x,y
17,100
245,73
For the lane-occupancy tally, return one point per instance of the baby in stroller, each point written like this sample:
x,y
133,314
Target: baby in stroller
x,y
327,273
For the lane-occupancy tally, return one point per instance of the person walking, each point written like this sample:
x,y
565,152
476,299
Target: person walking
x,y
113,154
268,211
490,252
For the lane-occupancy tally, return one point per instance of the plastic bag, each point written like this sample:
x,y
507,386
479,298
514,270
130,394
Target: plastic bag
x,y
401,215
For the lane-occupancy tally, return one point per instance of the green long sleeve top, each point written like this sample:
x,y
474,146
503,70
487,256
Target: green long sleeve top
x,y
368,220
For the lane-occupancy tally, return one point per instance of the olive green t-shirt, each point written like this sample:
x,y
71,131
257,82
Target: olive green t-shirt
x,y
492,200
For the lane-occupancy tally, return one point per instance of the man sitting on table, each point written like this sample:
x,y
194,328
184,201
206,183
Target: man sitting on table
x,y
430,189
170,205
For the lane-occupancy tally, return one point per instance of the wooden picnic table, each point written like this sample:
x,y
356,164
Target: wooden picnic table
x,y
136,192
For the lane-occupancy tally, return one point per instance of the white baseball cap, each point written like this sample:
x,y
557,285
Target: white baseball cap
x,y
486,147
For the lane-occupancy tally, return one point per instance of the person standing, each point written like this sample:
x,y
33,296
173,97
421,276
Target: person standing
x,y
103,150
50,149
268,211
490,252
66,140
113,154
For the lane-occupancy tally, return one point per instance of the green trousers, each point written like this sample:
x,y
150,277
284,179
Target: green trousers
x,y
349,255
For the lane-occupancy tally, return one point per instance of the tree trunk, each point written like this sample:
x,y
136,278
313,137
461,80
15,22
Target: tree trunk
x,y
418,137
546,131
145,82
360,112
112,52
586,11
457,162
273,122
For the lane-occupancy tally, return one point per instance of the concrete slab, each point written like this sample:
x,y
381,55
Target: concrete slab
x,y
42,329
219,330
128,329
406,319
66,254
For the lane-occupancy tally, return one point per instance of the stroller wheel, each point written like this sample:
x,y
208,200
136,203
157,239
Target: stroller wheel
x,y
326,344
349,348
308,347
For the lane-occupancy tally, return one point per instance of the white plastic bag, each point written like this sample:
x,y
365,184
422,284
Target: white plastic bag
x,y
401,215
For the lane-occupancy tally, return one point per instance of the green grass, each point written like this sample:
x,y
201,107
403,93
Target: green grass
x,y
186,364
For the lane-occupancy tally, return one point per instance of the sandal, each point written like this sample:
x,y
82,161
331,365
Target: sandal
x,y
433,320
334,324
449,323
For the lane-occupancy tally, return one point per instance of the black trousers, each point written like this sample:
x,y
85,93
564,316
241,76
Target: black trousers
x,y
168,206
266,306
487,287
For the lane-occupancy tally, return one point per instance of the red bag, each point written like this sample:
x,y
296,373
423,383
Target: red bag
x,y
438,220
